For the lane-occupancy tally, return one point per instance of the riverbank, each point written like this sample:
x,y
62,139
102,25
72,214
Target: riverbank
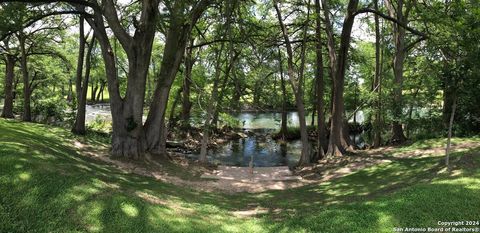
x,y
50,183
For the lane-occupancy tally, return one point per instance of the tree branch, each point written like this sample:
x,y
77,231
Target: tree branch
x,y
411,45
198,10
110,14
40,17
213,42
90,4
410,29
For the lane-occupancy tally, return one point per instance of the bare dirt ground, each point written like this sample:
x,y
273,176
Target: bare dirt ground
x,y
183,172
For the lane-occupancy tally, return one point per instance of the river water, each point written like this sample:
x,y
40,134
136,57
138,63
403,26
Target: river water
x,y
259,147
98,111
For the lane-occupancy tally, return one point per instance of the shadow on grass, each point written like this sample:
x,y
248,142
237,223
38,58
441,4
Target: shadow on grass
x,y
421,206
46,185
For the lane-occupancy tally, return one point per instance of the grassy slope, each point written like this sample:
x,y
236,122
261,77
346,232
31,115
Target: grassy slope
x,y
46,186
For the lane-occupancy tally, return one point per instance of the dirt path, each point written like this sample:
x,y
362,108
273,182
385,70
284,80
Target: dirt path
x,y
263,179
254,174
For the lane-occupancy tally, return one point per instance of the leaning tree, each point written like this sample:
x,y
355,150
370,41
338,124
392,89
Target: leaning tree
x,y
135,33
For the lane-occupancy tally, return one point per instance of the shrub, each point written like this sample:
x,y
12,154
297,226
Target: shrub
x,y
228,120
100,125
48,108
293,133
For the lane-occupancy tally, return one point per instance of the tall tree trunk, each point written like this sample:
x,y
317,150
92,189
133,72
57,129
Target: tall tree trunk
x,y
128,137
330,41
228,70
306,159
134,143
410,108
336,146
256,93
238,92
448,93
344,139
93,92
187,82
211,107
175,44
172,56
230,64
312,122
79,124
99,97
296,83
450,126
283,129
15,84
322,142
399,36
214,103
377,137
172,120
7,111
70,90
27,112
218,110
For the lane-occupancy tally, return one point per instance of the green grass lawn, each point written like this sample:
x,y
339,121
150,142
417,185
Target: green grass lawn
x,y
47,186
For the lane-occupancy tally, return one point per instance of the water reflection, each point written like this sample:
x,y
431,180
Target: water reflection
x,y
264,151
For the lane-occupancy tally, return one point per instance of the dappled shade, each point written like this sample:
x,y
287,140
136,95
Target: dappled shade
x,y
49,184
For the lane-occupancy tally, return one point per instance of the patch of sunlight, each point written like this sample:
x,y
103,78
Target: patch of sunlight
x,y
103,184
98,183
129,209
219,217
210,208
466,182
25,176
253,225
80,192
81,166
181,220
76,196
91,213
150,198
333,192
122,177
459,150
369,203
288,230
95,228
157,212
46,156
265,195
385,221
13,144
331,201
18,166
232,228
457,173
